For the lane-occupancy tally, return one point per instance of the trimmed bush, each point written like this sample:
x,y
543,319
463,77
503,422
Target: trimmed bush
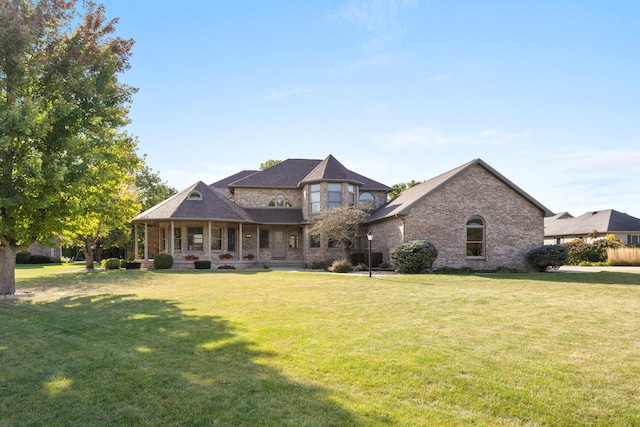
x,y
132,265
593,252
202,264
319,265
162,261
23,257
413,257
543,258
41,259
226,267
341,266
110,264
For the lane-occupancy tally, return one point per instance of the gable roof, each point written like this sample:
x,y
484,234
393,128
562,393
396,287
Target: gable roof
x,y
224,183
602,221
212,206
403,204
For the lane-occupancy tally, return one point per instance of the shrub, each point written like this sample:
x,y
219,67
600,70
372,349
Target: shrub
x,y
413,257
110,264
204,264
319,265
341,266
162,261
23,257
596,251
132,265
226,267
40,259
544,257
225,256
455,270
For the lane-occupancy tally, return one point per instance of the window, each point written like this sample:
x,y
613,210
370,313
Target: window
x,y
280,201
177,239
315,198
352,196
293,240
334,196
264,239
163,239
195,195
633,240
366,201
335,243
231,242
216,238
475,237
314,241
195,238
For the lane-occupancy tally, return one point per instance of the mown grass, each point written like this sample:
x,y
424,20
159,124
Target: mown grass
x,y
316,349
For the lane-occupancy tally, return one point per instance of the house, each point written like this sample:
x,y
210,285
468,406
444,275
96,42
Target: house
x,y
474,215
564,227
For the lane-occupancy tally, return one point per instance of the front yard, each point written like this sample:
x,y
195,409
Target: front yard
x,y
272,348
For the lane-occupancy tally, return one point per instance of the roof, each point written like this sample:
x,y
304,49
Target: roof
x,y
212,206
605,221
224,183
403,204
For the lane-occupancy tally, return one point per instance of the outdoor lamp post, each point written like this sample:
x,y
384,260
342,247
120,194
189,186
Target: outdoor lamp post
x,y
369,238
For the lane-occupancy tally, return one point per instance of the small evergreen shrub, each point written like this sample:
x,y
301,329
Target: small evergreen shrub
x,y
23,257
202,264
110,264
162,261
413,257
319,265
226,267
341,266
543,258
132,265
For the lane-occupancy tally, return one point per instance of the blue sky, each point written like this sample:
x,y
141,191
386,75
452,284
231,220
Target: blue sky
x,y
546,92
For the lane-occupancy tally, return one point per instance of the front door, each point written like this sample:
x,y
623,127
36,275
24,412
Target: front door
x,y
279,244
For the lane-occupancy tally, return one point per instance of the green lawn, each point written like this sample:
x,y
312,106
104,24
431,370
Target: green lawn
x,y
266,348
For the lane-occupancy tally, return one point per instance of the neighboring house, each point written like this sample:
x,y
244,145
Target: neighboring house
x,y
37,248
474,215
563,227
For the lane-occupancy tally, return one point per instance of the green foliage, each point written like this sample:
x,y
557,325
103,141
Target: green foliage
x,y
162,261
269,163
595,251
23,257
413,257
341,266
455,270
110,264
41,259
343,224
400,187
543,258
151,189
202,264
319,265
131,265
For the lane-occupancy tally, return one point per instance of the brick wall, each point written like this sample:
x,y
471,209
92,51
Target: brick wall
x,y
512,225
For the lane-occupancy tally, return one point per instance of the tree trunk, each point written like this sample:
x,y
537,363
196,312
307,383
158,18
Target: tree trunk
x,y
7,270
88,255
346,246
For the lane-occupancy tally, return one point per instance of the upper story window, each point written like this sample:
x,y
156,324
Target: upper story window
x,y
315,198
475,237
352,196
334,196
280,201
365,202
195,195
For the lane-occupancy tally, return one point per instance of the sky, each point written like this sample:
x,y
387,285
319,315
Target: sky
x,y
546,92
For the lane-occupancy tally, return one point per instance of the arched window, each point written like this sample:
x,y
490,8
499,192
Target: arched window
x,y
475,237
280,201
365,202
195,195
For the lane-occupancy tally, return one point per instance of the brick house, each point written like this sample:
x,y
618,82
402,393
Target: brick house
x,y
564,227
474,216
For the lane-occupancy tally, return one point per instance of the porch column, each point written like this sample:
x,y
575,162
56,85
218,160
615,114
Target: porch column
x,y
258,244
240,244
136,243
209,240
146,241
172,239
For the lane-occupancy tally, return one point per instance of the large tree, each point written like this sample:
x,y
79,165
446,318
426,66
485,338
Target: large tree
x,y
60,102
151,188
343,224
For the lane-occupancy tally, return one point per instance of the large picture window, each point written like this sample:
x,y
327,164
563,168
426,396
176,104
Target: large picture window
x,y
475,237
216,238
334,196
195,238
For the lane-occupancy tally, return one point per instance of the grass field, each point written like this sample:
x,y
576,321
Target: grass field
x,y
266,348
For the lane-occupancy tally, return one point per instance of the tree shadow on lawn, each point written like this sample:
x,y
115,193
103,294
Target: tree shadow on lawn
x,y
116,360
601,278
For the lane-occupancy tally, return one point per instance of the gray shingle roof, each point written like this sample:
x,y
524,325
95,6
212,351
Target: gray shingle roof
x,y
402,204
606,221
286,174
275,215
